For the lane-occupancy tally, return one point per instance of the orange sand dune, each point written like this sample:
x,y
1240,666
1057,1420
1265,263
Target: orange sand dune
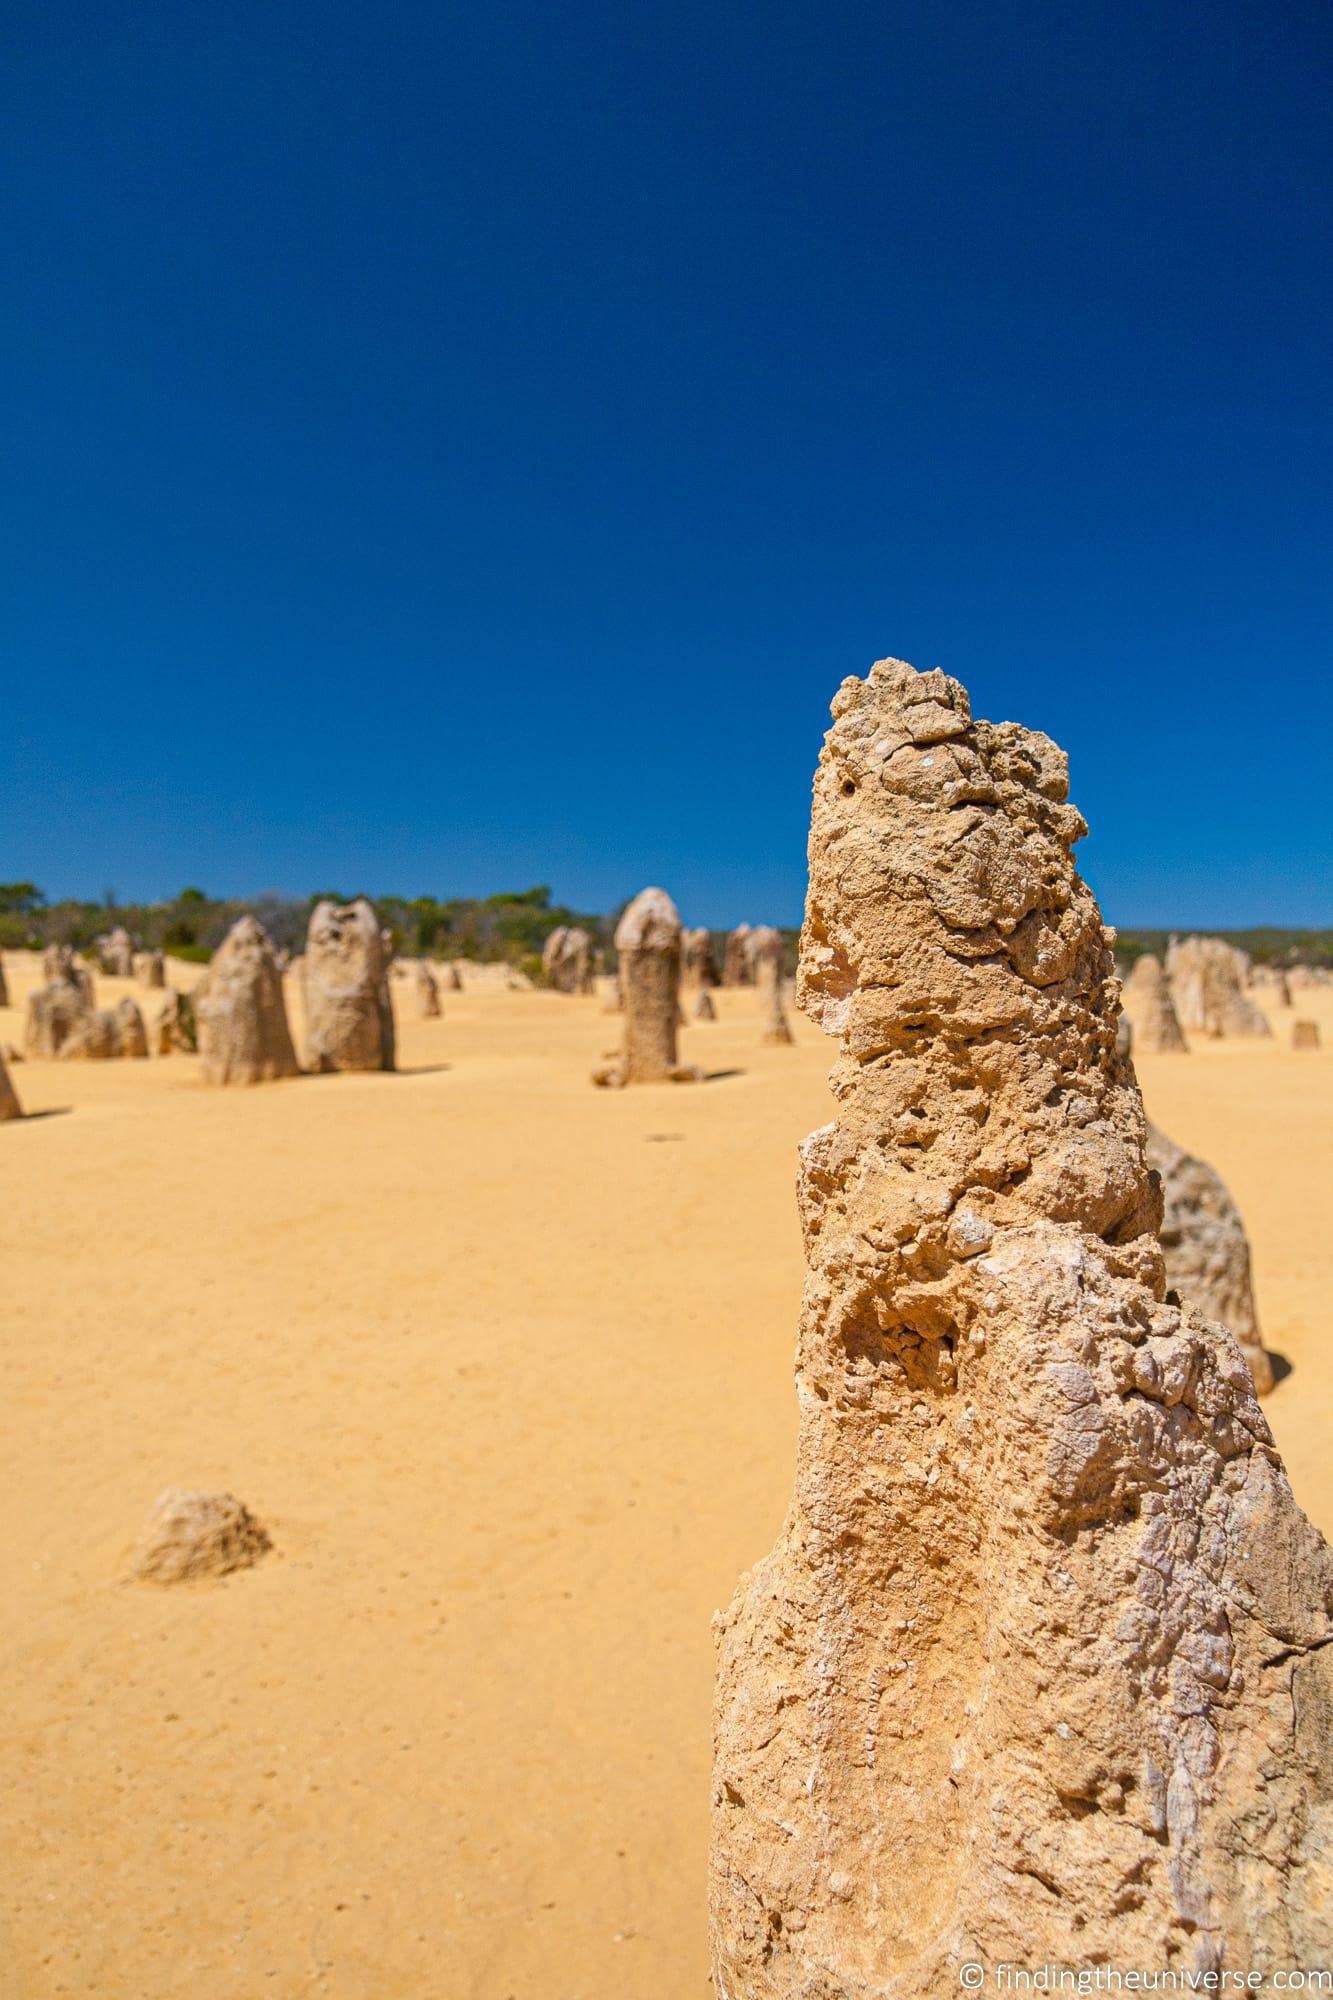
x,y
503,1362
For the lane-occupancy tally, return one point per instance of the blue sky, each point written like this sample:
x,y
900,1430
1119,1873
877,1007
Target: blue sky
x,y
452,448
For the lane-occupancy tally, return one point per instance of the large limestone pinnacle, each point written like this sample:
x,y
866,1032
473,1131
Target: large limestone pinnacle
x,y
1039,1670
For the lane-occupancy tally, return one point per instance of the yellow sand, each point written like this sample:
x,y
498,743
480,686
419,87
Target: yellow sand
x,y
503,1362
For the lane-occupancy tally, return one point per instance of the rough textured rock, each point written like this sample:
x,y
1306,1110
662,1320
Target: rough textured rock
x,y
737,968
9,1100
648,944
191,1536
1208,979
766,958
150,968
240,1015
117,951
54,1012
1040,1669
567,960
1206,1248
703,1008
1305,1034
1148,999
348,1013
696,958
174,1029
428,992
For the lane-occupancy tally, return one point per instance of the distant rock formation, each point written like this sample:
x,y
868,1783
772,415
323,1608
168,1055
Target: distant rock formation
x,y
648,945
1208,979
428,992
54,1012
737,967
240,1013
117,952
59,962
567,960
174,1028
4,985
189,1537
9,1098
452,977
696,958
1305,1034
103,1034
766,958
703,1008
1206,1248
1040,1670
150,968
1148,997
349,1017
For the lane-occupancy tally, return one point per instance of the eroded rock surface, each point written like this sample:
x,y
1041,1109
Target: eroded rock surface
x,y
766,959
697,967
54,1012
191,1536
174,1028
117,950
737,968
349,1015
1040,1667
1206,1248
428,992
9,1098
240,1014
1208,980
567,960
150,968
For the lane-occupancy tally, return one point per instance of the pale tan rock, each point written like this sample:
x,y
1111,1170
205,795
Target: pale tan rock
x,y
131,1035
240,1014
696,958
1281,989
9,1097
703,1008
349,1016
766,958
452,977
1206,1248
1148,998
117,951
613,998
189,1537
1040,1670
1208,979
174,1030
150,968
737,966
567,960
1305,1034
428,992
648,947
60,962
53,1014
95,1037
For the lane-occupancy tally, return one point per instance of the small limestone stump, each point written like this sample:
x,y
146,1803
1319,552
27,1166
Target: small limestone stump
x,y
567,958
174,1028
428,992
239,1011
9,1101
766,958
4,986
1281,989
54,1012
1040,1669
703,1009
648,946
1157,1031
1305,1034
737,966
696,958
118,953
1206,1248
349,1016
190,1536
452,977
150,968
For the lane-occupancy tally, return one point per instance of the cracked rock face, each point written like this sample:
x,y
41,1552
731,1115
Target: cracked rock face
x,y
349,1015
240,1015
1040,1666
1206,1248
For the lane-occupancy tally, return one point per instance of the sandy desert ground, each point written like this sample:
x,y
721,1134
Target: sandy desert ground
x,y
503,1362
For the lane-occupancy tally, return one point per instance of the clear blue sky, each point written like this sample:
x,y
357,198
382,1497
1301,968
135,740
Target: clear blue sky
x,y
447,448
